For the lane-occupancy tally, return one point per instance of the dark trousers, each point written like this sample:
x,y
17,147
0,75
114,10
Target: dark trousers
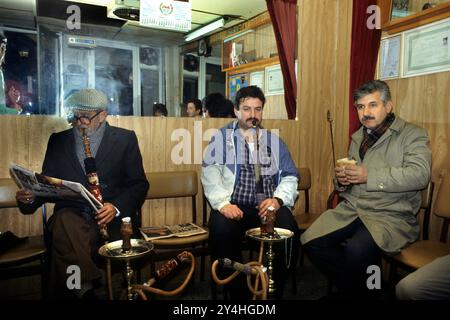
x,y
344,256
74,241
226,236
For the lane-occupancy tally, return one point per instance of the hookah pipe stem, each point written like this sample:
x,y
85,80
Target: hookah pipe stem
x,y
257,166
93,182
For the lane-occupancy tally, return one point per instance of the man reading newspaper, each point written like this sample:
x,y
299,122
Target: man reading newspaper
x,y
74,226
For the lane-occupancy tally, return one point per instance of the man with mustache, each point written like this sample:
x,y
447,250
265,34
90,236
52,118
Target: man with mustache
x,y
229,178
74,226
381,194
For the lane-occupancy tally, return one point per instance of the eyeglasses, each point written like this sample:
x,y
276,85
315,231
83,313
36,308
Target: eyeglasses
x,y
83,118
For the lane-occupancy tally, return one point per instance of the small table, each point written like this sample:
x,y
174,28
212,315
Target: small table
x,y
113,251
279,235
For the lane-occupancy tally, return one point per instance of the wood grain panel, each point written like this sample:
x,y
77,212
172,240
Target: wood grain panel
x,y
425,101
323,54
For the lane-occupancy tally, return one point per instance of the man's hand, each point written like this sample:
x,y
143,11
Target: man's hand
x,y
232,211
265,204
106,214
356,174
25,196
341,176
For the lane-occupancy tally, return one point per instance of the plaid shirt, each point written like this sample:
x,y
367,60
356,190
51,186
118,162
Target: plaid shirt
x,y
244,192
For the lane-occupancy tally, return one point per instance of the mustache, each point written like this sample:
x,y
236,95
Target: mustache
x,y
365,118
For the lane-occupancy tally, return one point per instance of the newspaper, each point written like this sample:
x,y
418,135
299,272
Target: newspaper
x,y
53,188
178,230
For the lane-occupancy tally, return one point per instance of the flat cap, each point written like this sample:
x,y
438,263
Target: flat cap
x,y
87,100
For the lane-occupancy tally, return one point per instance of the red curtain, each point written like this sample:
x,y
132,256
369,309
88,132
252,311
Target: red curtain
x,y
364,52
283,14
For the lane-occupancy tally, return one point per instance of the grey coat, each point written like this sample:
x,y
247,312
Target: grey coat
x,y
399,166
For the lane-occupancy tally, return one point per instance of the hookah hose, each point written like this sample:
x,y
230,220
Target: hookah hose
x,y
164,271
252,268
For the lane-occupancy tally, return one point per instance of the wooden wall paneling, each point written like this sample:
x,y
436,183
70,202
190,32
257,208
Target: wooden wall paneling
x,y
275,108
13,148
323,55
153,148
178,210
40,128
14,144
425,101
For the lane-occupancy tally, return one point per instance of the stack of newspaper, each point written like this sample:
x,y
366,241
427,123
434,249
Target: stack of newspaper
x,y
178,230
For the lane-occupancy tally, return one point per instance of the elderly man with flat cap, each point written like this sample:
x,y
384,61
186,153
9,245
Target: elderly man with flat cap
x,y
74,227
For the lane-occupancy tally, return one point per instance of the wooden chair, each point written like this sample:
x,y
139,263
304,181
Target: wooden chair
x,y
424,251
17,261
177,184
306,218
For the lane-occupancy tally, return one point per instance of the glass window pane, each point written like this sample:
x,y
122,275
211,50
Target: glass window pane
x,y
20,72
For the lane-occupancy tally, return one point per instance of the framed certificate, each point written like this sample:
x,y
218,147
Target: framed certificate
x,y
257,79
427,49
390,53
274,81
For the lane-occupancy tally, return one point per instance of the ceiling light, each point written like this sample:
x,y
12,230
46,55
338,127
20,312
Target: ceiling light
x,y
238,35
197,33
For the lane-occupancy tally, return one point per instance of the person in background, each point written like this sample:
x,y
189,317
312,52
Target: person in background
x,y
159,110
125,88
3,108
217,106
194,108
15,99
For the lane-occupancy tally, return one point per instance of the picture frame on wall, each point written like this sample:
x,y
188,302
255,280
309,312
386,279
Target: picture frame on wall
x,y
236,82
389,62
273,81
257,79
427,49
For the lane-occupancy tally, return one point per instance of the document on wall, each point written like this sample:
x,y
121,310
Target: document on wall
x,y
390,57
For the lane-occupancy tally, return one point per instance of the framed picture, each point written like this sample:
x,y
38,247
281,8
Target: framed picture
x,y
389,59
274,81
236,82
400,9
257,79
426,49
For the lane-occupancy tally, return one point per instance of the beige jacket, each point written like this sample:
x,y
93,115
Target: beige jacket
x,y
399,166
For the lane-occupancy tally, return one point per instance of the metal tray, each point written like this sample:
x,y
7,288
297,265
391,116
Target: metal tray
x,y
113,250
280,234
